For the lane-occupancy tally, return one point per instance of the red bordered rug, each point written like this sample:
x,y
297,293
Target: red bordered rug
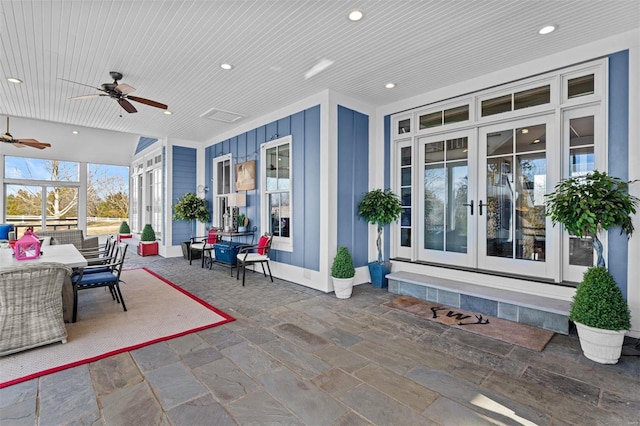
x,y
157,310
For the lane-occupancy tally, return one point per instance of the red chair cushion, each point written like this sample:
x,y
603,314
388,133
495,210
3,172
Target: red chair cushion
x,y
264,240
213,236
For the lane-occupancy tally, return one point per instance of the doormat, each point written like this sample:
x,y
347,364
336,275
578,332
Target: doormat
x,y
496,328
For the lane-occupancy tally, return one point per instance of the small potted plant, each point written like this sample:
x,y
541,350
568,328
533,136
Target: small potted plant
x,y
343,273
380,207
124,231
148,245
243,222
601,315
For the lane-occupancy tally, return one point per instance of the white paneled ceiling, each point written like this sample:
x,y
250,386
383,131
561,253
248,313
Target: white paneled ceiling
x,y
170,51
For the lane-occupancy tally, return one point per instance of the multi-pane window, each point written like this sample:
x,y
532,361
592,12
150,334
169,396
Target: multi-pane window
x,y
444,117
517,100
222,185
276,189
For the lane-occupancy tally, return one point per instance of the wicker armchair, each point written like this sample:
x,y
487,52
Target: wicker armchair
x,y
31,306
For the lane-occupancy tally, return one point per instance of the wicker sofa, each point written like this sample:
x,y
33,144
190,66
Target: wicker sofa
x,y
31,312
71,236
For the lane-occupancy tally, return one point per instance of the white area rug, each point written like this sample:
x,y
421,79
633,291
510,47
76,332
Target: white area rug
x,y
157,310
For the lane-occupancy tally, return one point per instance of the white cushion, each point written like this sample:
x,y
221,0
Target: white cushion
x,y
197,246
46,241
252,257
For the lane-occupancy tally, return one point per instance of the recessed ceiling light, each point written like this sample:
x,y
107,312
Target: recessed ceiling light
x,y
525,131
390,85
536,141
226,66
547,29
14,80
75,132
167,112
355,15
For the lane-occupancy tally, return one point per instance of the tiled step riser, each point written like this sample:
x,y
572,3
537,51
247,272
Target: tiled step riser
x,y
535,317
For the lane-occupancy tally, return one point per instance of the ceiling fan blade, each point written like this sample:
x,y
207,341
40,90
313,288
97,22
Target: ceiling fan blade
x,y
125,89
127,105
33,143
87,96
148,102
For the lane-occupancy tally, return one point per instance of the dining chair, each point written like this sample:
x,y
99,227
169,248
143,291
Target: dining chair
x,y
31,312
103,254
257,253
84,279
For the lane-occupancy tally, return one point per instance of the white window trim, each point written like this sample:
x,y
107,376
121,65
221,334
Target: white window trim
x,y
214,185
277,242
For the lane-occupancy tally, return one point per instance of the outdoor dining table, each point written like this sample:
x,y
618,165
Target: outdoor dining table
x,y
67,254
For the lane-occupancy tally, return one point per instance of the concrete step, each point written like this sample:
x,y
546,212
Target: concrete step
x,y
544,312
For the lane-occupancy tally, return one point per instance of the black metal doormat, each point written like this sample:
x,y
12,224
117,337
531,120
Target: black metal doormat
x,y
496,328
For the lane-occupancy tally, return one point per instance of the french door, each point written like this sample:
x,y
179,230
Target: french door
x,y
481,198
447,230
515,173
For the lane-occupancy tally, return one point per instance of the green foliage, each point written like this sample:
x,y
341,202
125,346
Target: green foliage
x,y
241,218
599,303
148,234
342,266
124,228
191,207
587,204
380,207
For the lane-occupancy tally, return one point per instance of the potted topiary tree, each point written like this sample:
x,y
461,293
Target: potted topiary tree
x,y
343,273
191,208
601,315
380,207
148,245
124,231
587,205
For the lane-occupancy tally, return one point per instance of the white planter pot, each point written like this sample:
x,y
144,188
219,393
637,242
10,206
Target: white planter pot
x,y
343,287
603,346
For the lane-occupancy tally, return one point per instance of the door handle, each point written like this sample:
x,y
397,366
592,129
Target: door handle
x,y
480,207
470,205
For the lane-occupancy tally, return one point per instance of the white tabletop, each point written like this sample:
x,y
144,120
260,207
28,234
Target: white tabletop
x,y
66,254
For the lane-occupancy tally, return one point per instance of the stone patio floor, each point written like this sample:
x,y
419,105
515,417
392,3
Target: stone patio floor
x,y
297,356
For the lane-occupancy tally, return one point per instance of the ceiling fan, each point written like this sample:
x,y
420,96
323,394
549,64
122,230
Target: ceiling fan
x,y
21,143
120,92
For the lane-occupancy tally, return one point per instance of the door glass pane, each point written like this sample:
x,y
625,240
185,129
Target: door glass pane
x,y
457,149
434,152
223,177
405,157
531,177
581,131
532,138
500,142
498,209
580,251
62,208
405,176
581,86
456,214
405,197
528,98
581,161
434,203
405,237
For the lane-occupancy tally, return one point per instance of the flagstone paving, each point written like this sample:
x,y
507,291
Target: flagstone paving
x,y
297,356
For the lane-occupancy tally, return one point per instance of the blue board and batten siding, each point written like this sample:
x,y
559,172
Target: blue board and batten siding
x,y
304,128
618,156
353,182
144,143
183,181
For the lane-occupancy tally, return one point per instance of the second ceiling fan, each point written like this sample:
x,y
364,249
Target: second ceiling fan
x,y
120,92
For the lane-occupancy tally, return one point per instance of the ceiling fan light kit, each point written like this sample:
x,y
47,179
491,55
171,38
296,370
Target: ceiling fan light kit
x,y
120,92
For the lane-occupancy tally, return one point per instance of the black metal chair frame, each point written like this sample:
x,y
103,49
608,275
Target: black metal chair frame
x,y
113,285
244,252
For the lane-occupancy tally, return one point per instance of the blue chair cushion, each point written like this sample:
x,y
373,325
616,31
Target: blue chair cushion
x,y
4,231
96,270
98,278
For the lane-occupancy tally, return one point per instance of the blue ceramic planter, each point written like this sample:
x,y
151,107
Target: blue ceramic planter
x,y
377,271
